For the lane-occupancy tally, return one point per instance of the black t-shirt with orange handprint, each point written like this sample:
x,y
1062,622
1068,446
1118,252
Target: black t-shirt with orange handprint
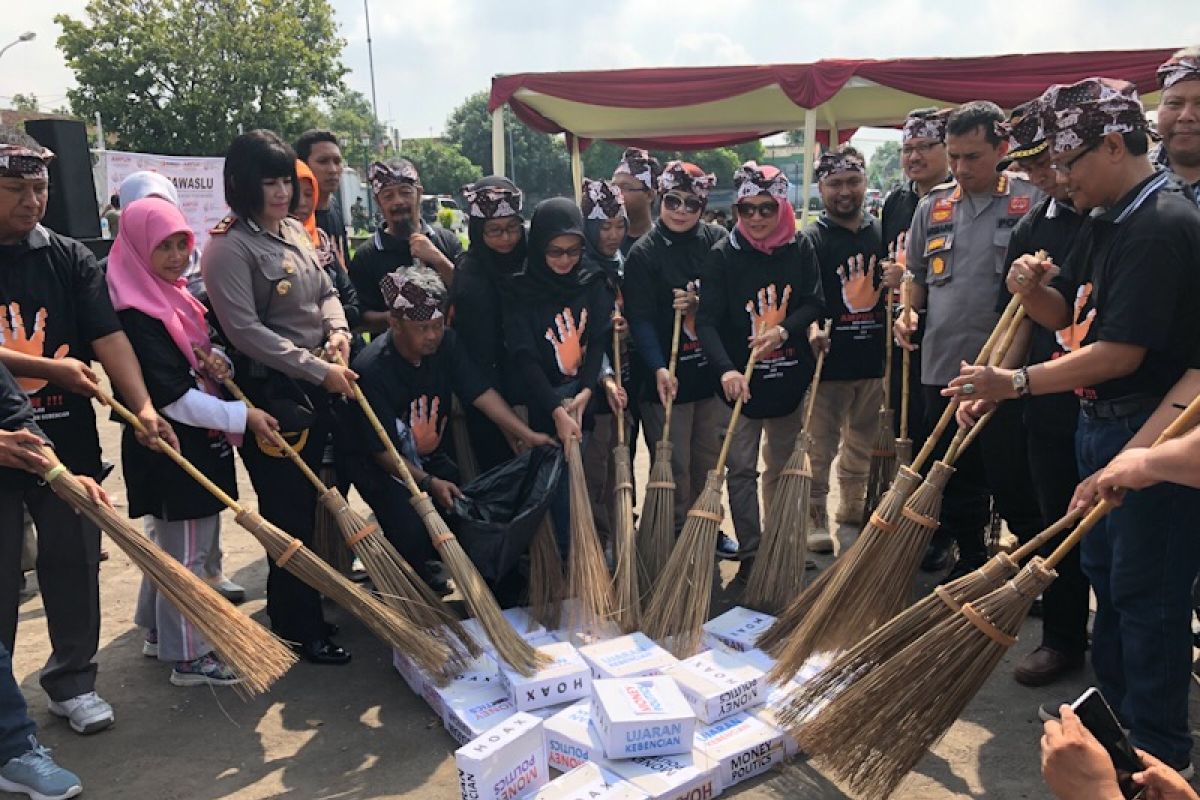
x,y
854,298
54,302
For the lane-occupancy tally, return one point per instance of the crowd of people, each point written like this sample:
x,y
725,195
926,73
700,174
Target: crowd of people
x,y
1061,204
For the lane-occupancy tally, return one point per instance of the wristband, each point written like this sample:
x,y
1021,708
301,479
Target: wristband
x,y
425,483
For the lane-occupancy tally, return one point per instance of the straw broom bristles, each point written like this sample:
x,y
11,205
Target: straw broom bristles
x,y
256,655
328,541
291,554
626,595
588,581
545,577
511,648
656,528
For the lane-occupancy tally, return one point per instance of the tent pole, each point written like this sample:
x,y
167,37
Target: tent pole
x,y
576,168
810,139
498,142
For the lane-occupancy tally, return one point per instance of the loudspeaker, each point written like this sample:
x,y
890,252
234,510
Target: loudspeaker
x,y
71,209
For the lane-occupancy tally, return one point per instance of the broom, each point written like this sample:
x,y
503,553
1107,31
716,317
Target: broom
x,y
511,648
777,576
545,577
681,596
290,553
395,580
588,581
625,591
876,731
903,444
328,542
256,655
656,528
883,455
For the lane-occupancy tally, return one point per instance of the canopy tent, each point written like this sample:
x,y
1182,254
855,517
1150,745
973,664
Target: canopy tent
x,y
696,107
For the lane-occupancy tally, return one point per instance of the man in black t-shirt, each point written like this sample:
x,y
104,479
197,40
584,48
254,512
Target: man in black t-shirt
x,y
321,151
1127,297
56,316
405,239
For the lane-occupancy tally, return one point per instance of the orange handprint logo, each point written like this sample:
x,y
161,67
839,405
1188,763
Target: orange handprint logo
x,y
1071,337
15,337
689,316
568,343
769,313
859,291
423,422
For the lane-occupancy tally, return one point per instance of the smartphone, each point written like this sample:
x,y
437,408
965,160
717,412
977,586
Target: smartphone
x,y
1096,715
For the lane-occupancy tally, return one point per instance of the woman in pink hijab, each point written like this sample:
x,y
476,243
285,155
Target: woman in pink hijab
x,y
166,325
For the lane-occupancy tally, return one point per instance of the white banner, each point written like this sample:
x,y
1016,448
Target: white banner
x,y
198,180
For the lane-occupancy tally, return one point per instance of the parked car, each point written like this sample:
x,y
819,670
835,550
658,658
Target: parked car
x,y
433,204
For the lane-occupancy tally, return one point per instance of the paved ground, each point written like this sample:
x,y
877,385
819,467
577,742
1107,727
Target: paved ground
x,y
357,732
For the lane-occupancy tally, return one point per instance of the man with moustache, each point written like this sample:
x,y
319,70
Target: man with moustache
x,y
404,240
1179,120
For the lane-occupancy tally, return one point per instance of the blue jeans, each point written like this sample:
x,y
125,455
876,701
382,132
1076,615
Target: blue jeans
x,y
1141,561
15,725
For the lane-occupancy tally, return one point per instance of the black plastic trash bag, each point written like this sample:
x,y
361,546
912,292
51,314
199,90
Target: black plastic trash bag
x,y
502,509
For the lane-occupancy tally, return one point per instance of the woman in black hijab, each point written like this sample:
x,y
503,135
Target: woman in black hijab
x,y
496,254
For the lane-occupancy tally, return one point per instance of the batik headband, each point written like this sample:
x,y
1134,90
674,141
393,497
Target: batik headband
x,y
602,200
675,177
640,164
1025,130
406,298
1178,69
19,161
926,124
834,161
750,179
381,175
1081,113
491,202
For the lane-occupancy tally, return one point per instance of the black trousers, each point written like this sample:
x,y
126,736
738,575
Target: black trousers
x,y
401,523
1052,464
996,466
68,569
287,500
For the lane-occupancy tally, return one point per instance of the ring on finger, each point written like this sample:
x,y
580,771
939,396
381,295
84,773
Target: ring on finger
x,y
1021,279
968,388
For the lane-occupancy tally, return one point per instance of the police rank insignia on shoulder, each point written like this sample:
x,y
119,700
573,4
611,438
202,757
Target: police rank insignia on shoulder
x,y
223,226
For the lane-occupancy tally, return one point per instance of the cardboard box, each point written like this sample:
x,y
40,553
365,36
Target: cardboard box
x,y
570,631
777,694
409,671
738,628
507,762
481,671
589,782
525,626
564,680
629,656
741,747
474,710
570,738
685,777
718,684
642,717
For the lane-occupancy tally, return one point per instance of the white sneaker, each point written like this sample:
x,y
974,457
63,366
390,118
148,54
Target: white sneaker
x,y
819,538
87,713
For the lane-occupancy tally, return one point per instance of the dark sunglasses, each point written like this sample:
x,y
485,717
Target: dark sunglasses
x,y
749,210
564,252
673,202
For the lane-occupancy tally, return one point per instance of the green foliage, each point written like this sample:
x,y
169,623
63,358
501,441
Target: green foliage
x,y
443,167
884,170
601,158
445,218
179,76
352,119
25,102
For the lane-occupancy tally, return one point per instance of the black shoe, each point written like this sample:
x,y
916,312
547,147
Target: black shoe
x,y
331,629
937,556
965,565
1037,610
322,651
441,585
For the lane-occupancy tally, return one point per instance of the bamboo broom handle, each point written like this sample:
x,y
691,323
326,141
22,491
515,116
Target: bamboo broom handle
x,y
617,377
1033,545
405,472
816,381
171,453
887,349
1179,426
678,324
905,357
1006,343
737,412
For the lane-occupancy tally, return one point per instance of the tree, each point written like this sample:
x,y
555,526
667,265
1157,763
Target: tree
x,y
750,151
795,138
443,167
884,170
25,102
352,118
180,76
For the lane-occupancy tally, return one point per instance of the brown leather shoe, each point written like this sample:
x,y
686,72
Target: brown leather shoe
x,y
1044,666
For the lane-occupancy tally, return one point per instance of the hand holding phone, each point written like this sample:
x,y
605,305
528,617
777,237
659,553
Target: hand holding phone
x,y
1096,715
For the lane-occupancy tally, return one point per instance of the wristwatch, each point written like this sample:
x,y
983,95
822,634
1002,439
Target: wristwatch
x,y
1020,381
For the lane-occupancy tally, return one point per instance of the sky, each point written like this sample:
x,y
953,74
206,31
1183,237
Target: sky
x,y
426,63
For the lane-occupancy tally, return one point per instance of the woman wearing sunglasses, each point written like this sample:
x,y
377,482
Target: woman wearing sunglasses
x,y
662,274
762,289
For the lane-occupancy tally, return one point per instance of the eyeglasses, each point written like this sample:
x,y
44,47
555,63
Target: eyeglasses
x,y
922,148
1065,167
502,232
750,210
673,202
637,186
555,253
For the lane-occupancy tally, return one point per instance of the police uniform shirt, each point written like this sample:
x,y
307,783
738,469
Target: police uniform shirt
x,y
383,254
55,303
956,250
274,301
1133,278
898,209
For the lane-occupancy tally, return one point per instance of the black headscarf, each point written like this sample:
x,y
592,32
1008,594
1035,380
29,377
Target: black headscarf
x,y
555,217
613,265
496,263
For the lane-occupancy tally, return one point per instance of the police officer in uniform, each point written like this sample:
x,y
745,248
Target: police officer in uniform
x,y
276,305
956,252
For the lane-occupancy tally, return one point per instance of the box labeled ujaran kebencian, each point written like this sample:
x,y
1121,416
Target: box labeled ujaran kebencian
x,y
741,747
684,777
589,782
570,738
642,717
564,680
626,657
738,628
505,763
718,684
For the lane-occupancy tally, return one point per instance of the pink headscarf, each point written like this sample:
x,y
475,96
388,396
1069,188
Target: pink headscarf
x,y
785,229
132,282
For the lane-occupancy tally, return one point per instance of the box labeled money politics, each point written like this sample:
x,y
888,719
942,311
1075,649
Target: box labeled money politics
x,y
626,657
741,747
506,762
642,717
589,782
564,680
718,684
690,776
738,628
